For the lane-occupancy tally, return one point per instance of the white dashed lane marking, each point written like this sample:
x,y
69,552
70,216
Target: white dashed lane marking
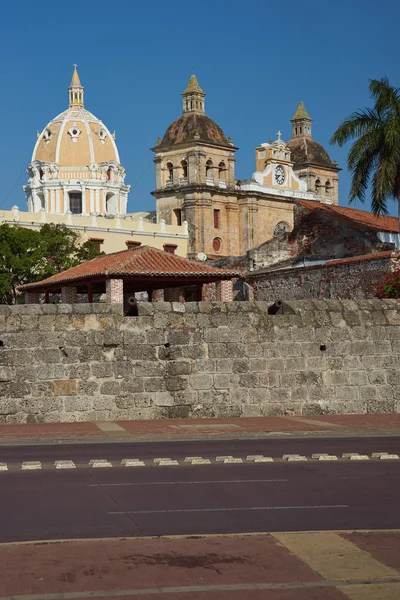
x,y
187,461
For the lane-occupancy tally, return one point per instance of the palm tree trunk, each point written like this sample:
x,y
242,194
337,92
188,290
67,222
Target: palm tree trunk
x,y
398,216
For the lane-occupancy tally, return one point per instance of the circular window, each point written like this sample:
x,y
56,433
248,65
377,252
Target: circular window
x,y
75,131
217,243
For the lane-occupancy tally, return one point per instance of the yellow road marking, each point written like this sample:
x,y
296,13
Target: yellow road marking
x,y
333,557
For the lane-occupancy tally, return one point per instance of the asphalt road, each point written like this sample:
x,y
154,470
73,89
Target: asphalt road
x,y
218,498
206,448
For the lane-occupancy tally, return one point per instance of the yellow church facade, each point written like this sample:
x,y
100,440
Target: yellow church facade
x,y
195,181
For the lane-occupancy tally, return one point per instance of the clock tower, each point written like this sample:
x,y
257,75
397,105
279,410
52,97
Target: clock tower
x,y
274,167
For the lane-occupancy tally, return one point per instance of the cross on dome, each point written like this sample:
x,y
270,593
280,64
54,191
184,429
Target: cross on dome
x,y
279,134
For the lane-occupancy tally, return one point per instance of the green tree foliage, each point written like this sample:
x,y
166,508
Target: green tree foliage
x,y
28,255
374,157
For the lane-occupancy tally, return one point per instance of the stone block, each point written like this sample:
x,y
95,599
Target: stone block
x,y
345,393
164,399
258,396
65,387
179,412
335,378
51,371
141,352
149,369
122,369
251,410
358,378
202,381
280,394
9,407
207,365
258,365
179,367
377,377
143,400
7,374
135,338
240,365
110,388
225,381
224,365
132,385
195,351
154,384
176,383
147,309
102,369
272,410
83,403
248,380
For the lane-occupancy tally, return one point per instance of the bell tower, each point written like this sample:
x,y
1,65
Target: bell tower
x,y
301,122
193,97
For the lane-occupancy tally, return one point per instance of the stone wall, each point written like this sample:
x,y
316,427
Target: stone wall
x,y
88,362
350,278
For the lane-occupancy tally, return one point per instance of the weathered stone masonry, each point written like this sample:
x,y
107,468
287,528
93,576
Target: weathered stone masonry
x,y
88,362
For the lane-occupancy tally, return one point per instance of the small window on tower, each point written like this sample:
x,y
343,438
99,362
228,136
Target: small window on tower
x,y
178,216
216,218
184,169
170,169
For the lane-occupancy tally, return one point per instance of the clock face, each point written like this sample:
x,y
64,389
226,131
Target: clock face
x,y
279,175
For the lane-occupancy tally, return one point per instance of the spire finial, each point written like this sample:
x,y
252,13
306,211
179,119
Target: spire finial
x,y
301,122
193,96
75,89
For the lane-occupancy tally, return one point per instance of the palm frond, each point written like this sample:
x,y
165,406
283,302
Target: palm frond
x,y
387,98
362,173
355,125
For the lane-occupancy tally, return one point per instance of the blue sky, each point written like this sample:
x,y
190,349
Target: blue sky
x,y
255,60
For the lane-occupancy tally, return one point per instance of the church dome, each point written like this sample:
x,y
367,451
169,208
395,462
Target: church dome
x,y
305,150
194,126
75,138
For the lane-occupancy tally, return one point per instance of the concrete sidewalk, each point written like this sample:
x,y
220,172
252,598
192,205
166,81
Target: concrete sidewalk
x,y
280,566
191,429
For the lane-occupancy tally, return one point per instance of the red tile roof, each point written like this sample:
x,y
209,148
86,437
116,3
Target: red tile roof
x,y
144,261
362,258
361,218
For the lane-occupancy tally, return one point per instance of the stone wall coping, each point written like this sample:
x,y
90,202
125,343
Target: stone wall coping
x,y
340,262
294,307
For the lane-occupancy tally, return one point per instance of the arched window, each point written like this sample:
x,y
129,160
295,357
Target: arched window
x,y
317,185
75,203
281,228
327,187
221,171
111,203
209,169
184,169
170,168
217,244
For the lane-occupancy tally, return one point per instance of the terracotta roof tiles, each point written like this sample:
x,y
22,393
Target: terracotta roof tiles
x,y
361,218
144,261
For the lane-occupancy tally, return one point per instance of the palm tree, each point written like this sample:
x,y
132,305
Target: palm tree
x,y
374,157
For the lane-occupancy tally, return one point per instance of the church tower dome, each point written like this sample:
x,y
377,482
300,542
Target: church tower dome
x,y
193,125
75,165
311,161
